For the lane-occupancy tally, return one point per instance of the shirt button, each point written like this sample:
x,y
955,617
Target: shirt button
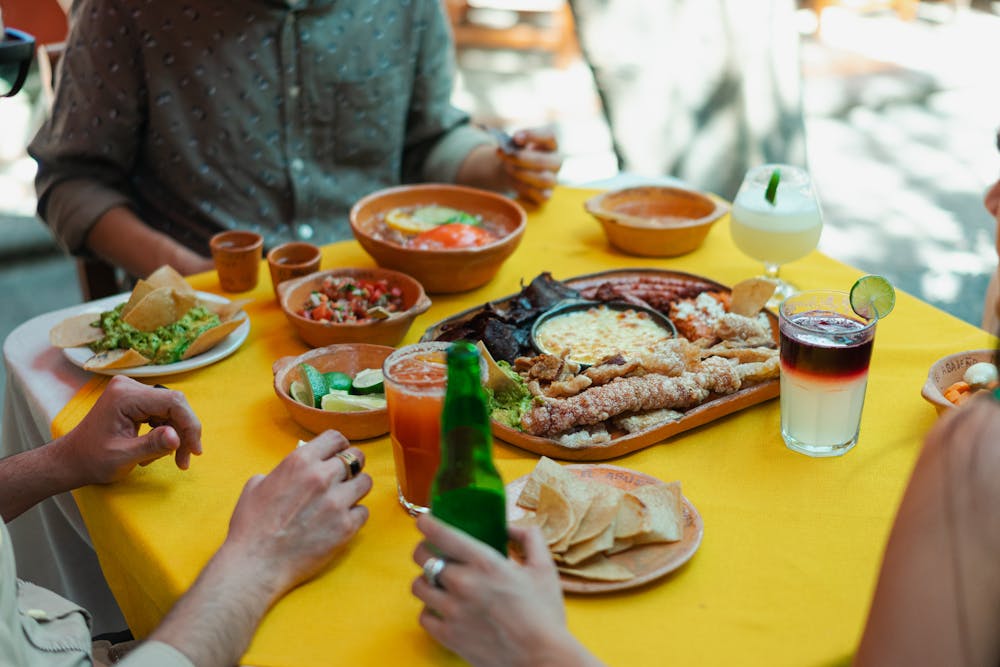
x,y
293,91
304,232
298,165
37,614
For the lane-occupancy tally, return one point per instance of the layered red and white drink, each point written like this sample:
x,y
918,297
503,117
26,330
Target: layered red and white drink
x,y
825,351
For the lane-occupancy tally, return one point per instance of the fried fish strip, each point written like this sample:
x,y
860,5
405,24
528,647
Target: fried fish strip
x,y
631,394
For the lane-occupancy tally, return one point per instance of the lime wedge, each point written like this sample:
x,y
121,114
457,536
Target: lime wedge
x,y
872,297
299,393
314,385
772,186
337,380
337,401
369,381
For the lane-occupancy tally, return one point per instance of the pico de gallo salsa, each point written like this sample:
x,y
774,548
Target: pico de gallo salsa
x,y
344,299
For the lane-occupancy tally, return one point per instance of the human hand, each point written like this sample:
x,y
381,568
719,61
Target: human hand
x,y
288,524
105,446
531,163
489,609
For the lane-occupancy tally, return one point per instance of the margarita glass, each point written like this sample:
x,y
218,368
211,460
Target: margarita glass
x,y
776,224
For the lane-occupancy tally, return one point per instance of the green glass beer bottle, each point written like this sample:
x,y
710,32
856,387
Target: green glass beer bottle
x,y
467,491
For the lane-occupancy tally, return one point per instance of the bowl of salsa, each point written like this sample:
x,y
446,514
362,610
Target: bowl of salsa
x,y
450,238
352,305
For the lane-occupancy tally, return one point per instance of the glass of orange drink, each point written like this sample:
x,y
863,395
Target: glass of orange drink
x,y
415,380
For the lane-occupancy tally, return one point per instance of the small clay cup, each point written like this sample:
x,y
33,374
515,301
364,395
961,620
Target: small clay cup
x,y
237,256
291,260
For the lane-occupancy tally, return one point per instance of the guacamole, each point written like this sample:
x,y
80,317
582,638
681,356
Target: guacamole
x,y
164,345
507,407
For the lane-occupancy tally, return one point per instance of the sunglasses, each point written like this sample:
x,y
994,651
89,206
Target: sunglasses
x,y
17,49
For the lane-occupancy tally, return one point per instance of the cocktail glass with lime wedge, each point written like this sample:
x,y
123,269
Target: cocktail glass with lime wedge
x,y
776,219
826,346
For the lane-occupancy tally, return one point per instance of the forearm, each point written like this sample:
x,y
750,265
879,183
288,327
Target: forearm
x,y
563,650
213,623
121,238
32,476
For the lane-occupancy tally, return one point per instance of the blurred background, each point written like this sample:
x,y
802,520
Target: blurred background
x,y
892,105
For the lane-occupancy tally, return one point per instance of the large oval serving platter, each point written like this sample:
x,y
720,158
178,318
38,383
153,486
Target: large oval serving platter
x,y
627,443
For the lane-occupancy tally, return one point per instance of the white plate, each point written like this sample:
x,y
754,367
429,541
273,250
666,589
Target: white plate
x,y
78,356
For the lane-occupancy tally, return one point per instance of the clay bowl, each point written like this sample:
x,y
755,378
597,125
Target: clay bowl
x,y
446,270
655,221
293,294
347,358
948,370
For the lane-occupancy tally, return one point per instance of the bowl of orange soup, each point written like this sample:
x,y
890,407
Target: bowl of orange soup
x,y
449,237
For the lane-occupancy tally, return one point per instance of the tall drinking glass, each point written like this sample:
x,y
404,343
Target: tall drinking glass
x,y
415,380
776,232
825,350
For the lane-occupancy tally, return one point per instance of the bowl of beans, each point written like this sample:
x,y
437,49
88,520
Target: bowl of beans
x,y
449,237
351,305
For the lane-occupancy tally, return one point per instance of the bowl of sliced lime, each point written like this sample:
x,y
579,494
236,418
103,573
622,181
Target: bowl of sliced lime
x,y
336,387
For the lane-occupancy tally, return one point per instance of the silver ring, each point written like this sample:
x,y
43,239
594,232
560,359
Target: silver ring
x,y
433,569
351,463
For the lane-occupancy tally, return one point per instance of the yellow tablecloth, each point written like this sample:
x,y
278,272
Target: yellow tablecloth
x,y
792,544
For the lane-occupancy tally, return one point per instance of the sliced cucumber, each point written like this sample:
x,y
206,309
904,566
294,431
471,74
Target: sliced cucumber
x,y
368,381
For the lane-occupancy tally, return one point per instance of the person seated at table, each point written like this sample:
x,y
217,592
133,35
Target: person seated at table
x,y
170,124
937,601
991,304
285,528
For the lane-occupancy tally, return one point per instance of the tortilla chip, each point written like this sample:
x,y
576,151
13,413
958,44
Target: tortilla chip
x,y
548,471
600,514
77,330
225,311
167,276
750,296
209,338
666,517
183,302
157,309
599,569
139,292
559,518
631,518
115,359
599,543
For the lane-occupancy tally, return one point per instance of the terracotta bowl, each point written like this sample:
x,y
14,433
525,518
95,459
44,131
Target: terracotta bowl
x,y
293,294
655,221
947,371
347,358
441,271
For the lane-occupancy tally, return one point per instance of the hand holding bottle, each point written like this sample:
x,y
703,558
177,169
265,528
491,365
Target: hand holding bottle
x,y
492,610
